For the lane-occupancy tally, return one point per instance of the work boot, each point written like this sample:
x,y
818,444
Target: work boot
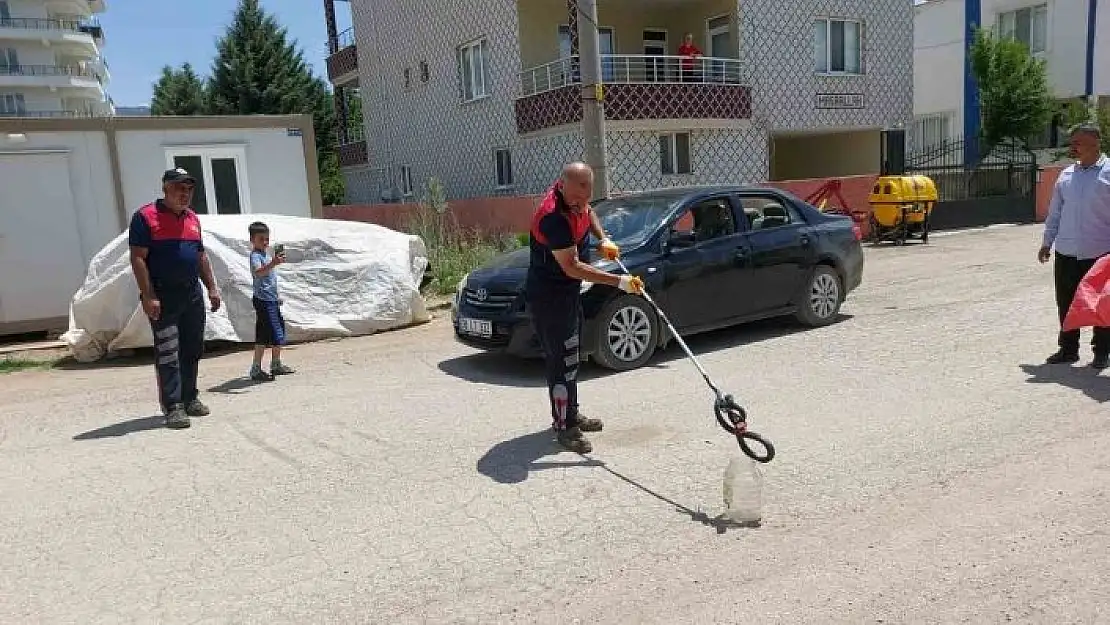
x,y
197,409
572,440
586,424
176,418
1062,357
258,375
1100,361
281,369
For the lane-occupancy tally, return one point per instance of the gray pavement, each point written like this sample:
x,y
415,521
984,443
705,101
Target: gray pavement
x,y
929,470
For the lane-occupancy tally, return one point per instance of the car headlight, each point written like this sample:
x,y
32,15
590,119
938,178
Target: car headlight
x,y
459,289
586,285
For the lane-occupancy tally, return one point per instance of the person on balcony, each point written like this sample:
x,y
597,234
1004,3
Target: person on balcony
x,y
691,72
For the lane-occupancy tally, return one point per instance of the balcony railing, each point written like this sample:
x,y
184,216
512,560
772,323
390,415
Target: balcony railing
x,y
31,23
49,114
351,135
345,39
633,69
47,70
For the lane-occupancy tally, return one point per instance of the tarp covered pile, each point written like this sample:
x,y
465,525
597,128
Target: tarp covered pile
x,y
342,279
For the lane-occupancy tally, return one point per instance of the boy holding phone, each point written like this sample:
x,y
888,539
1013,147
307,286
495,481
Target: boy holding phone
x,y
269,325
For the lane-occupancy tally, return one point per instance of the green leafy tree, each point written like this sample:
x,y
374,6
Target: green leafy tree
x,y
1015,100
178,92
258,70
1077,112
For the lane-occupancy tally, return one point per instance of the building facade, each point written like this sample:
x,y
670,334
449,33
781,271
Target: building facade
x,y
1072,36
50,59
484,95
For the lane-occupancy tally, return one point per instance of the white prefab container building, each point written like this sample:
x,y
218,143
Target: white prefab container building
x,y
69,186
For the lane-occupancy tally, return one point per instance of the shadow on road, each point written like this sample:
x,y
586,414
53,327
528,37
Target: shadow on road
x,y
1082,379
511,461
234,386
144,357
132,426
493,368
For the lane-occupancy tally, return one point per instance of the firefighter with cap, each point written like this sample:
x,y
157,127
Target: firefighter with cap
x,y
169,262
558,265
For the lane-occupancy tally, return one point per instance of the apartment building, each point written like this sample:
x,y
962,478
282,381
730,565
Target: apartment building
x,y
484,95
1072,36
50,59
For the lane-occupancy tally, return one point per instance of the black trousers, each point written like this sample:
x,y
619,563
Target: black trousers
x,y
1068,271
557,320
178,343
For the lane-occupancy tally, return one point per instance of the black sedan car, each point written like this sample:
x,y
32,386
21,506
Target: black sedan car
x,y
711,256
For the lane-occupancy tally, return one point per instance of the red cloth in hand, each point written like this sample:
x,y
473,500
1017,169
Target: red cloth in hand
x,y
1091,305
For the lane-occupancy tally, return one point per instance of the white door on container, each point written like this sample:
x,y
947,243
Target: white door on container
x,y
41,261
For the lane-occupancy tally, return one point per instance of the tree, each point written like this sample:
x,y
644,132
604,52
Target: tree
x,y
1015,100
178,92
257,70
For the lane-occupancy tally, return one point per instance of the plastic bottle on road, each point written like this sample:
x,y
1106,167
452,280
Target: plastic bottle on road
x,y
743,491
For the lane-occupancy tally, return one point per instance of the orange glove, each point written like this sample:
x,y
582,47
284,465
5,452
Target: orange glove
x,y
608,249
632,284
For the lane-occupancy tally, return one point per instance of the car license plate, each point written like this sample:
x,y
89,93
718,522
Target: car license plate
x,y
477,327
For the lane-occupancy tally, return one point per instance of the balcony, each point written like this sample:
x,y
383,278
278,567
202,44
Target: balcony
x,y
352,147
637,87
48,114
57,31
342,62
56,76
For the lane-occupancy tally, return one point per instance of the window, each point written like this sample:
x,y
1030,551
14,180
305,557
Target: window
x,y
424,71
406,180
929,131
5,12
9,59
221,177
707,220
606,40
655,48
474,70
836,46
1028,25
674,153
765,212
12,104
503,159
408,78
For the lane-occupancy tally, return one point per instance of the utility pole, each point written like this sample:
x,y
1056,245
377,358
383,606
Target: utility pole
x,y
593,112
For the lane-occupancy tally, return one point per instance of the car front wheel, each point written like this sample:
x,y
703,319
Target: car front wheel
x,y
820,304
627,333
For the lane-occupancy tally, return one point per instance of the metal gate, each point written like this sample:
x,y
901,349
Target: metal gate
x,y
1001,188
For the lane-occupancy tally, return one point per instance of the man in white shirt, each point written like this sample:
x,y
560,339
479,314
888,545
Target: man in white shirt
x,y
1078,225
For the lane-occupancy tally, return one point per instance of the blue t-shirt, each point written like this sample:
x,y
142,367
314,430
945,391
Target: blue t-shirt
x,y
265,287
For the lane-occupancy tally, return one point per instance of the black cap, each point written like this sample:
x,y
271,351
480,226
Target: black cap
x,y
178,175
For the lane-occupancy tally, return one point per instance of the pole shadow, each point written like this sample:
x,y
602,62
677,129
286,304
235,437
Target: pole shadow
x,y
1083,379
132,426
512,461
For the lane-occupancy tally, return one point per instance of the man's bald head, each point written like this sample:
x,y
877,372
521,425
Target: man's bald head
x,y
578,184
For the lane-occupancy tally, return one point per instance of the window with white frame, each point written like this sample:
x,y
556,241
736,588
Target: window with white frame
x,y
13,104
674,153
930,131
221,174
406,181
837,46
474,74
1028,25
503,161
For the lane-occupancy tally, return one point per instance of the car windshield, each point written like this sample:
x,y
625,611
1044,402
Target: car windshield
x,y
630,220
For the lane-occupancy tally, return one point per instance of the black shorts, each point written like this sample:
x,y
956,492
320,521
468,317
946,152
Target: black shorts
x,y
269,325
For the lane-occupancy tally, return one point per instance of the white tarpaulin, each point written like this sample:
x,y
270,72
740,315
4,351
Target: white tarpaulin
x,y
341,278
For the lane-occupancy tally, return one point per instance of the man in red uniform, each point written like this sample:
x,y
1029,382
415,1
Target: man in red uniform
x,y
169,262
558,265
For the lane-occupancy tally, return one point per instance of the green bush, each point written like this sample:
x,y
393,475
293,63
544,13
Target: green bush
x,y
453,251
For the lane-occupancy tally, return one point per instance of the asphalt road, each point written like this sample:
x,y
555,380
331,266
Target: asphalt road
x,y
929,470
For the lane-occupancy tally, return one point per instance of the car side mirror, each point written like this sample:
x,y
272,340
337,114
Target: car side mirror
x,y
681,239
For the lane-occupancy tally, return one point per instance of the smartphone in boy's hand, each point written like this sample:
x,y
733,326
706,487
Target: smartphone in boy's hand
x,y
279,251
